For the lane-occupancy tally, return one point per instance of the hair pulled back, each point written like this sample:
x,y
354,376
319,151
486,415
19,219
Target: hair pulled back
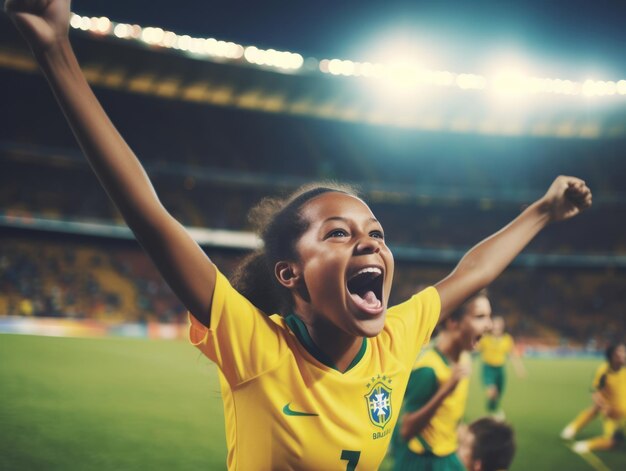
x,y
280,224
460,311
610,350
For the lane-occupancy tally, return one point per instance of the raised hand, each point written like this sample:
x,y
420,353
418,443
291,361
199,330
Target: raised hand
x,y
43,23
459,371
566,197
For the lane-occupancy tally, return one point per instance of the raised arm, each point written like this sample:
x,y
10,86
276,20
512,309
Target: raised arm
x,y
182,263
566,197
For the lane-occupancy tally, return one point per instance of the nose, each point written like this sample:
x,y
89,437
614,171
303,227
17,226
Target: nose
x,y
367,245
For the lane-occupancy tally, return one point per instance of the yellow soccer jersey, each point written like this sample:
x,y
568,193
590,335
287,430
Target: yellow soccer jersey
x,y
440,435
612,385
285,409
494,350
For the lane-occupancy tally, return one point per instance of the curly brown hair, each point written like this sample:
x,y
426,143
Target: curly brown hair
x,y
280,225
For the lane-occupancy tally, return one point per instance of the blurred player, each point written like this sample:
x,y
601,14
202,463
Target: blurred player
x,y
609,395
312,367
495,347
426,435
580,422
486,445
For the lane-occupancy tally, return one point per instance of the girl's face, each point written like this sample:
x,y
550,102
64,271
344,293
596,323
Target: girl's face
x,y
475,322
466,447
346,269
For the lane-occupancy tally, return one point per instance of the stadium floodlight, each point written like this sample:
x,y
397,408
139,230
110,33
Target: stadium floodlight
x,y
272,58
511,82
103,25
122,30
152,35
471,82
403,75
85,23
599,88
401,72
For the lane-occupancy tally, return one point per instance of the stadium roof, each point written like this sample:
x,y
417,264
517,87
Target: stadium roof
x,y
564,37
574,35
409,96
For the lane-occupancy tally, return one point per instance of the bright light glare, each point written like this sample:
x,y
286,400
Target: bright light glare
x,y
471,82
122,30
600,88
75,21
510,82
401,67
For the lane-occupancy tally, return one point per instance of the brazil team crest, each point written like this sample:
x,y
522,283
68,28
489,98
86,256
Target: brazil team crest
x,y
379,404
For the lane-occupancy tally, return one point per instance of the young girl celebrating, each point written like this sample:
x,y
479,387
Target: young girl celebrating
x,y
313,366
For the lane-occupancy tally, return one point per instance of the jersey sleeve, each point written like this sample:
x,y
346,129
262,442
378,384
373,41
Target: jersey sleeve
x,y
599,379
242,341
410,324
422,386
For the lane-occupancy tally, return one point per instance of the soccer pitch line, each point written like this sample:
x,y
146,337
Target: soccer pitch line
x,y
592,460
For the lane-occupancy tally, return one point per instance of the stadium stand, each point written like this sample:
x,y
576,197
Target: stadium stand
x,y
439,191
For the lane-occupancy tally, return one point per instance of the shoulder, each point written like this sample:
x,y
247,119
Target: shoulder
x,y
428,298
431,359
409,325
421,311
602,369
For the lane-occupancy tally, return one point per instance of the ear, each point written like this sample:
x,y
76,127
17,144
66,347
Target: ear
x,y
287,274
451,324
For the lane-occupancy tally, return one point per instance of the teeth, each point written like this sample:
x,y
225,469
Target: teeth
x,y
375,270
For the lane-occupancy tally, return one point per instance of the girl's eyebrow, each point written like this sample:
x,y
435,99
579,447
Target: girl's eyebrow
x,y
346,220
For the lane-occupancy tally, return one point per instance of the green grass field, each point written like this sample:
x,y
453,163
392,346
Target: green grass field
x,y
121,404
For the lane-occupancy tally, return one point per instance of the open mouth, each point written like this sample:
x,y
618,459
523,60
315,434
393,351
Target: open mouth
x,y
366,288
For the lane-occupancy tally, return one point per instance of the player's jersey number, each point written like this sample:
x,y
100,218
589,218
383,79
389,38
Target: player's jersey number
x,y
352,457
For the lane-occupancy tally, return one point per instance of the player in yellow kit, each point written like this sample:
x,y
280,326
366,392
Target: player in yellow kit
x,y
495,348
426,435
580,422
312,366
609,395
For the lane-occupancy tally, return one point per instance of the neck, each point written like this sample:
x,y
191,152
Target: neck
x,y
449,346
338,347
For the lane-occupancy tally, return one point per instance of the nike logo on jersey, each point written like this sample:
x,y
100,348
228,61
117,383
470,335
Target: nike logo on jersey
x,y
287,410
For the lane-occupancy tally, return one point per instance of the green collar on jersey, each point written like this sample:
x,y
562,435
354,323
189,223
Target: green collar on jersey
x,y
302,334
443,357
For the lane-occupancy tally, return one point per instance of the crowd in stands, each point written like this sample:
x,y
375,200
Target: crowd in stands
x,y
210,165
57,191
50,279
115,282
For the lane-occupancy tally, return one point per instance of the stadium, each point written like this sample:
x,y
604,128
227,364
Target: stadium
x,y
226,107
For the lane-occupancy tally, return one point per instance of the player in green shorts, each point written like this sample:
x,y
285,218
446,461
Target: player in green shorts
x,y
495,348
